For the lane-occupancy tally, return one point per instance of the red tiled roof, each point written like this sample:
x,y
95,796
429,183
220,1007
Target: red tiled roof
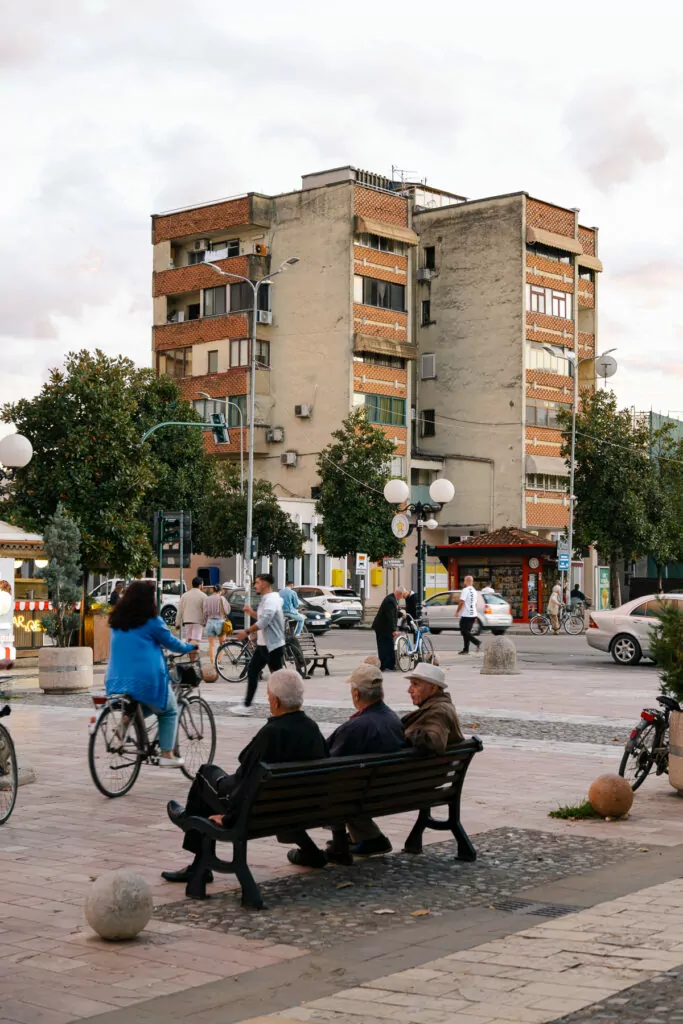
x,y
508,537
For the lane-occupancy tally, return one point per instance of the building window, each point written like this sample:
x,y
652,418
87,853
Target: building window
x,y
586,274
422,477
232,245
560,305
428,366
232,415
426,312
242,297
378,359
239,352
306,530
430,257
548,253
263,353
546,482
543,414
537,299
383,294
380,243
214,301
549,301
212,361
427,423
552,358
397,467
207,408
175,362
193,311
195,257
382,409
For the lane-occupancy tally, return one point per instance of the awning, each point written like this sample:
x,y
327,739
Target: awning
x,y
381,227
546,464
592,262
554,241
382,346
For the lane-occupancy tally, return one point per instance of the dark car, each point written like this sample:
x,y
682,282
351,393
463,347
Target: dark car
x,y
317,619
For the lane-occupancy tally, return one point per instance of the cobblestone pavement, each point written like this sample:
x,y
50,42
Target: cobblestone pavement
x,y
376,894
658,1001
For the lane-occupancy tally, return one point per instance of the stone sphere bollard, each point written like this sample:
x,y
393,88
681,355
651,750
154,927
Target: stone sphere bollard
x,y
209,673
119,904
500,657
610,796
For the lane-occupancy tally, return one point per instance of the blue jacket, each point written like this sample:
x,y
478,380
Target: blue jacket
x,y
374,730
290,600
136,662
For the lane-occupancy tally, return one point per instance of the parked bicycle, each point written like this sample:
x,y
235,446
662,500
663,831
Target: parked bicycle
x,y
9,773
411,647
122,739
571,622
233,657
648,745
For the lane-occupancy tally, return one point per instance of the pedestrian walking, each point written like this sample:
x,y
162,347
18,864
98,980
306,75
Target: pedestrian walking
x,y
270,639
385,625
191,613
116,593
467,610
554,606
216,610
290,606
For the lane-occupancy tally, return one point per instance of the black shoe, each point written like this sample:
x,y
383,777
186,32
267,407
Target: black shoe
x,y
175,811
369,847
185,875
337,854
307,860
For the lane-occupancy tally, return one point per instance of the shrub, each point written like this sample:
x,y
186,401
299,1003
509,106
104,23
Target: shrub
x,y
666,647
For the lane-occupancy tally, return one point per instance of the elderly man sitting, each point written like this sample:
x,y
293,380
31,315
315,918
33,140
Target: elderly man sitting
x,y
288,735
434,725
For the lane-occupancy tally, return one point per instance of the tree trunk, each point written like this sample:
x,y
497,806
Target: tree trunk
x,y
614,581
660,576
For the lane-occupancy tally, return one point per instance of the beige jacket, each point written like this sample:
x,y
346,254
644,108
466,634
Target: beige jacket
x,y
192,607
434,725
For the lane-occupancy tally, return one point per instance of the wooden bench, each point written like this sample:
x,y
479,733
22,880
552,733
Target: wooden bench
x,y
312,657
311,794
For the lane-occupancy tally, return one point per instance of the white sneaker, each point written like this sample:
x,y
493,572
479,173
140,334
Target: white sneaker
x,y
242,710
171,762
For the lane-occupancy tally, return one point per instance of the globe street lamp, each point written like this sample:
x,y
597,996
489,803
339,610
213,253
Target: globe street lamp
x,y
397,492
16,451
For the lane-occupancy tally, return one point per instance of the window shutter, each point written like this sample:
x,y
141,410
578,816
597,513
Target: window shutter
x,y
428,370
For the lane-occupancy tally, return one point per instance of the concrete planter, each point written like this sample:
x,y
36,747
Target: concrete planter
x,y
676,750
65,669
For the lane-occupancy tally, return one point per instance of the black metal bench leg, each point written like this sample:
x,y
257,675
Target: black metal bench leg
x,y
413,843
251,894
196,887
466,851
325,668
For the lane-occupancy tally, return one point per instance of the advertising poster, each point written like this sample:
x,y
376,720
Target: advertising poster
x,y
602,592
7,653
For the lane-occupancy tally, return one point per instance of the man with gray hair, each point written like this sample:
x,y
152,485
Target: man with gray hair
x,y
288,735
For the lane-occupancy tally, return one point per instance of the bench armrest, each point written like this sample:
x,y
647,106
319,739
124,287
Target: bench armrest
x,y
206,827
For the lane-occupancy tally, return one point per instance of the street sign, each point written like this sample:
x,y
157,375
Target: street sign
x,y
563,562
393,563
563,546
400,525
361,564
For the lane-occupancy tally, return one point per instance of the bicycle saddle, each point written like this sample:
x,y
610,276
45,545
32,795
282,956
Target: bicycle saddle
x,y
5,711
669,703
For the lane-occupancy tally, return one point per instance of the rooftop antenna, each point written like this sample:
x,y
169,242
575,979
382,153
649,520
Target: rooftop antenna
x,y
398,174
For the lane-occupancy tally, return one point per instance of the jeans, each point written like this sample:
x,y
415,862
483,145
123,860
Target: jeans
x,y
168,720
466,623
299,619
260,658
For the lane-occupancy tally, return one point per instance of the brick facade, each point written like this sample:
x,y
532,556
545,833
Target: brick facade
x,y
586,294
587,239
549,218
554,329
217,385
191,279
382,323
380,380
368,202
194,332
385,266
393,433
542,441
545,513
203,219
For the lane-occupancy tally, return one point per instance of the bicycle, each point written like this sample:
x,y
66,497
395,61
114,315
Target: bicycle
x,y
233,657
121,741
410,649
9,773
540,624
648,745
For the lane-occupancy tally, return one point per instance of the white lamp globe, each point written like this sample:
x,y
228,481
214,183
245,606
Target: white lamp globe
x,y
16,451
431,524
396,491
442,491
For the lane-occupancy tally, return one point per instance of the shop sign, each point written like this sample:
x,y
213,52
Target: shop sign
x,y
602,595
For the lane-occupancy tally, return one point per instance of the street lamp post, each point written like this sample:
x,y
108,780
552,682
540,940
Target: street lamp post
x,y
256,288
441,491
234,405
16,451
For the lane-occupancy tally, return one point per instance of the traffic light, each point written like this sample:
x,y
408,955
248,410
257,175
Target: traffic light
x,y
168,528
220,430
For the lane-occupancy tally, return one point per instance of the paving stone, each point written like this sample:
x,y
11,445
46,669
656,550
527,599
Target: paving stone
x,y
657,1000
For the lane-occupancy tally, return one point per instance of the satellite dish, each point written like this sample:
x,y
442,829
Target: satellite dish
x,y
605,366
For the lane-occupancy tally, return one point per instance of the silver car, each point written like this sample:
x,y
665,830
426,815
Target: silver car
x,y
624,632
493,612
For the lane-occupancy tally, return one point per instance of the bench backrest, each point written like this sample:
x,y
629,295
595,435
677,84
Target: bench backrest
x,y
307,642
311,794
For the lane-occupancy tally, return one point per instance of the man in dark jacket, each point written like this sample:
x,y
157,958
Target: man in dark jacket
x,y
411,603
373,729
434,725
288,735
385,625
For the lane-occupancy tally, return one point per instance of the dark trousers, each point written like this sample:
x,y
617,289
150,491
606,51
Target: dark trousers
x,y
385,650
466,623
209,794
262,657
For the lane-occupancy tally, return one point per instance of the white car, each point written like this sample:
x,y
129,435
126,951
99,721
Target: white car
x,y
345,607
170,596
493,612
624,632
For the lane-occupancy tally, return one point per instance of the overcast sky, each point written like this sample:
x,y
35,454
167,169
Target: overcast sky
x,y
112,110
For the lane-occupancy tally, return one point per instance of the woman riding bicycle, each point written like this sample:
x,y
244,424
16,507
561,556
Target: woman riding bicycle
x,y
137,666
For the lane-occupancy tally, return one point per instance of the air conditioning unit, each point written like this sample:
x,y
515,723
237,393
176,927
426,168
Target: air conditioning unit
x,y
303,411
289,459
259,249
424,274
264,316
275,434
201,243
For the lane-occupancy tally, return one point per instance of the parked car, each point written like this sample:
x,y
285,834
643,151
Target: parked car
x,y
170,596
317,619
624,632
493,612
344,605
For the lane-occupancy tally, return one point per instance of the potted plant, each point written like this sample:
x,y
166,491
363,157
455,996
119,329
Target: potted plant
x,y
666,647
61,667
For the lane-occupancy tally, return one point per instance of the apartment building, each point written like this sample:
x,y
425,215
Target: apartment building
x,y
449,320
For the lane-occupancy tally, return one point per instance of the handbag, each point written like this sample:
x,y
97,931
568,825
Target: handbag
x,y
227,628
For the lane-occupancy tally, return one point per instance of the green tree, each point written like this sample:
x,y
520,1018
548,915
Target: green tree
x,y
666,647
353,471
663,496
62,574
610,482
222,529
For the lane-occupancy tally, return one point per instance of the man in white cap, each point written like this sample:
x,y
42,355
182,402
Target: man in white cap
x,y
434,725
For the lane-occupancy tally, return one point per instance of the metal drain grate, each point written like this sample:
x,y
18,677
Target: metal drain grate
x,y
511,905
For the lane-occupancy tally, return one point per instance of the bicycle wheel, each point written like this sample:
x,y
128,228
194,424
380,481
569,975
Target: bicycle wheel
x,y
232,660
196,739
404,655
574,625
636,763
539,625
115,762
426,650
9,775
294,658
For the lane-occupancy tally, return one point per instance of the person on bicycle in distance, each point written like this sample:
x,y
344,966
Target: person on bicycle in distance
x,y
137,666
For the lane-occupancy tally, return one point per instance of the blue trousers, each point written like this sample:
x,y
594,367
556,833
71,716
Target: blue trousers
x,y
167,718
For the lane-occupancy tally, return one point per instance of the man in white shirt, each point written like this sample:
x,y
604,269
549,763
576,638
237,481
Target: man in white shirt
x,y
270,640
467,610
